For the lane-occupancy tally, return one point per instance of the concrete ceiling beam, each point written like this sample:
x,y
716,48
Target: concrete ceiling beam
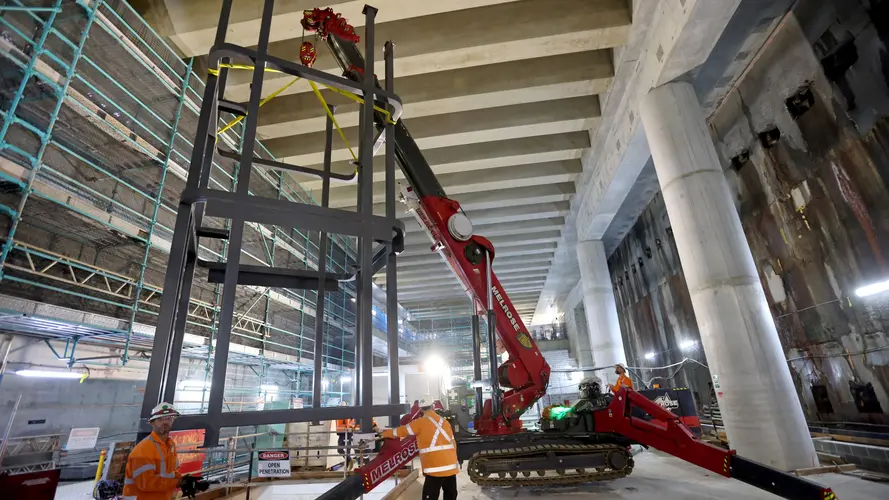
x,y
464,89
425,273
492,230
477,156
480,181
191,24
515,31
455,129
551,193
500,243
437,281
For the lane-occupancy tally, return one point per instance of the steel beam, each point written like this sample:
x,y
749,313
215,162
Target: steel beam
x,y
492,341
318,352
364,327
391,264
269,417
477,363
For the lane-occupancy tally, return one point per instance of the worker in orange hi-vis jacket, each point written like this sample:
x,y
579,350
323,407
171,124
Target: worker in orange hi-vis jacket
x,y
343,427
151,468
438,450
622,379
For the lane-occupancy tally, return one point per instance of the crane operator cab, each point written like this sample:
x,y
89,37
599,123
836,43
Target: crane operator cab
x,y
579,416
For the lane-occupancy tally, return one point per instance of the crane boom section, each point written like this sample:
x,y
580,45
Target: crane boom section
x,y
526,373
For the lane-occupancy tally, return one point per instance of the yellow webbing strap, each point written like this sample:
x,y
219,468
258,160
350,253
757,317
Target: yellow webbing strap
x,y
261,103
332,118
215,72
360,100
317,92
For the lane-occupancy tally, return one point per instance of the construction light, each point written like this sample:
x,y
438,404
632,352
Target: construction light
x,y
373,312
434,365
48,374
650,355
346,380
687,344
268,388
400,321
353,299
873,289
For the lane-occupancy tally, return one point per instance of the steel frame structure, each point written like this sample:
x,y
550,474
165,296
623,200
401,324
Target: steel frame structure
x,y
238,207
64,82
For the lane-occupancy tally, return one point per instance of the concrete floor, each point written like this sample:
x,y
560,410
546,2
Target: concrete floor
x,y
664,478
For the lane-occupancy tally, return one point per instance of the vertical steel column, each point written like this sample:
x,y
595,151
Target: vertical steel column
x,y
217,290
391,264
232,264
140,282
492,343
322,269
364,358
177,276
477,363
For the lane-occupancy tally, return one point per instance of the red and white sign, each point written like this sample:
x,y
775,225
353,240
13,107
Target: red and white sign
x,y
83,438
273,463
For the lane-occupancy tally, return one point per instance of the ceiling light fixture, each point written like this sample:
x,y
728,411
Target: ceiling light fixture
x,y
873,289
650,355
48,374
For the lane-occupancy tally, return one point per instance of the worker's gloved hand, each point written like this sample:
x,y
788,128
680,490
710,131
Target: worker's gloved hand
x,y
191,486
388,434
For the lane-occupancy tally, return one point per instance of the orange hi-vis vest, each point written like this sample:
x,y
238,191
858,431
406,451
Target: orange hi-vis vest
x,y
435,439
622,381
349,424
345,424
151,470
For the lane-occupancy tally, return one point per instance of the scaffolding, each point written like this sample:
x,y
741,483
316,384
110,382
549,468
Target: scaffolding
x,y
99,118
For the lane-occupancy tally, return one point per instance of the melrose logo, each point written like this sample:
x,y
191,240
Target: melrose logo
x,y
395,461
500,300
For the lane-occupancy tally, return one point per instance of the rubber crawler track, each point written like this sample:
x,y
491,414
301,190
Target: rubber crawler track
x,y
477,461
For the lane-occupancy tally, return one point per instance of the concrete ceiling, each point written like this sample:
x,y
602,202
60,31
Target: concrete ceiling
x,y
502,96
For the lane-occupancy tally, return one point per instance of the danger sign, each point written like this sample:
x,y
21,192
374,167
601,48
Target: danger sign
x,y
273,463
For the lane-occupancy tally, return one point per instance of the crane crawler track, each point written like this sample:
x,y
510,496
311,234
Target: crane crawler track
x,y
477,465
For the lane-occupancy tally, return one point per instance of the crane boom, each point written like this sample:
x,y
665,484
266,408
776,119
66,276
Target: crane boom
x,y
526,372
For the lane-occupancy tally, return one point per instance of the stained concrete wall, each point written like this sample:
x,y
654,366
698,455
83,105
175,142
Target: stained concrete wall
x,y
813,193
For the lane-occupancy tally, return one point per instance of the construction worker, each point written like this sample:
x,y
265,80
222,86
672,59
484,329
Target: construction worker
x,y
151,468
438,451
622,379
344,428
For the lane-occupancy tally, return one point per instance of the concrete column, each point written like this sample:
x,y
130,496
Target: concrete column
x,y
763,417
601,310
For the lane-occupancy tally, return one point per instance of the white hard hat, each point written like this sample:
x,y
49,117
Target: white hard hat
x,y
426,400
163,410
